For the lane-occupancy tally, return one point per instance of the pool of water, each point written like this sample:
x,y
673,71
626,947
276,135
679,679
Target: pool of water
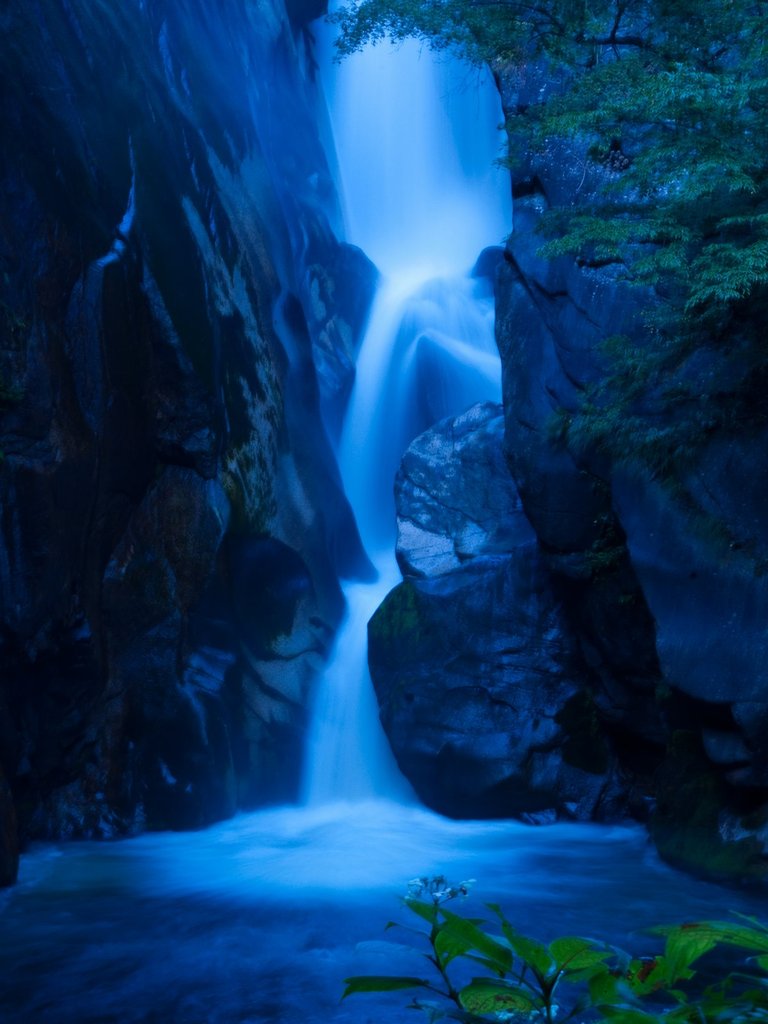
x,y
261,918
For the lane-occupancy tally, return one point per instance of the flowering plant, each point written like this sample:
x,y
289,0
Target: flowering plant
x,y
521,977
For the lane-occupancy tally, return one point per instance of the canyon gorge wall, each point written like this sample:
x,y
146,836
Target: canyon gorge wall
x,y
178,322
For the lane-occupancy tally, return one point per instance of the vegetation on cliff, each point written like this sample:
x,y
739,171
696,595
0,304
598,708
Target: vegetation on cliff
x,y
664,104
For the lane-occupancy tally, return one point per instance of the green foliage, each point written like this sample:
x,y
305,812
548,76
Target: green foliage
x,y
663,105
523,977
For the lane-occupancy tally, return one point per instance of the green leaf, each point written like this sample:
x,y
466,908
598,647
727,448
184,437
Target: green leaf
x,y
427,911
748,917
451,942
574,954
487,997
683,947
605,988
647,974
491,966
627,1015
457,936
754,939
688,942
380,983
533,953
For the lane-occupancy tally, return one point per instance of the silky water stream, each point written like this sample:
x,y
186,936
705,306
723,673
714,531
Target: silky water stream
x,y
259,919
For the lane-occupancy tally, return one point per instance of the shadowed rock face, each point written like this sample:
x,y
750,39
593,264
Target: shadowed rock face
x,y
691,601
9,839
171,520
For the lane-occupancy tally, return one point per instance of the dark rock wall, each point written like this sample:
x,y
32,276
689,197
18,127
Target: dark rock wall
x,y
171,520
670,614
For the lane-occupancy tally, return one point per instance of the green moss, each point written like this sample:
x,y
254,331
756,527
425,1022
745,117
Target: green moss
x,y
603,560
247,481
687,822
15,327
608,551
397,621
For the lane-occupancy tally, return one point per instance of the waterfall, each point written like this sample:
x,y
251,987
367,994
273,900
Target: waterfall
x,y
416,141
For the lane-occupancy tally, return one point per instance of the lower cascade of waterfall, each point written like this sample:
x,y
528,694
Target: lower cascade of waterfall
x,y
428,352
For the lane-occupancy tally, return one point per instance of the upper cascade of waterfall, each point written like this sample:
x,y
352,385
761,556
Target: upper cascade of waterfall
x,y
417,136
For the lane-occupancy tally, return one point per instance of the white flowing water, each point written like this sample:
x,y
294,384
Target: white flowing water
x,y
425,355
417,142
417,139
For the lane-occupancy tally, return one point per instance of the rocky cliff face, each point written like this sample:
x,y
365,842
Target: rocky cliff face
x,y
612,660
691,550
177,324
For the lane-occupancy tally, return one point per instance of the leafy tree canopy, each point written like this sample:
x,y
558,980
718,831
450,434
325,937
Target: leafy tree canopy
x,y
667,101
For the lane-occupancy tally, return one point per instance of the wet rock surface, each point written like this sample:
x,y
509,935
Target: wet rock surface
x,y
455,496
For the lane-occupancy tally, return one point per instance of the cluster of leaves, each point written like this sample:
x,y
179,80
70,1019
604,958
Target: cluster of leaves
x,y
664,103
528,981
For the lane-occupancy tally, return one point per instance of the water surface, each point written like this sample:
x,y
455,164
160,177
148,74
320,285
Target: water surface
x,y
261,918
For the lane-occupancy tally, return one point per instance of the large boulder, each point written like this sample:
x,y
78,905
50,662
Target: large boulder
x,y
482,695
485,695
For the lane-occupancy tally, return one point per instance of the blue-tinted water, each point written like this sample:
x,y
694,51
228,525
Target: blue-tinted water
x,y
261,918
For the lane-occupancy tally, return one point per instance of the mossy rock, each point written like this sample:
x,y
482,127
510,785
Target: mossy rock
x,y
693,823
397,624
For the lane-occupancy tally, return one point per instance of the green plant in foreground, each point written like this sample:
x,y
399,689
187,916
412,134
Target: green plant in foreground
x,y
523,979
